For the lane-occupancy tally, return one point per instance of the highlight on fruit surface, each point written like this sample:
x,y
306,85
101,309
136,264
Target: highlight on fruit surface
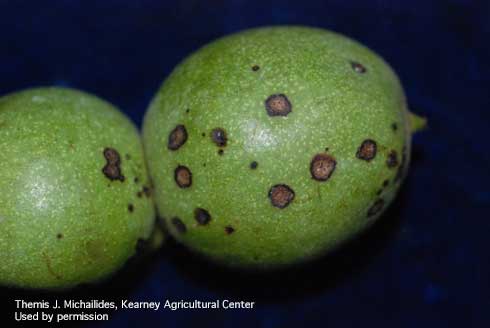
x,y
75,196
276,145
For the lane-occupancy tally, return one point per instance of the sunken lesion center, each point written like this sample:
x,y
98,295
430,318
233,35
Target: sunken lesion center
x,y
177,137
112,169
183,176
322,167
367,150
278,105
281,195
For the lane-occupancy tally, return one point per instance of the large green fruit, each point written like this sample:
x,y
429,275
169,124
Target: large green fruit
x,y
275,145
74,190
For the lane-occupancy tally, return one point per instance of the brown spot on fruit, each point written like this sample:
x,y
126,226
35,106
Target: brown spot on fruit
x,y
255,68
183,176
322,167
376,207
112,169
281,195
111,155
177,137
392,160
278,105
229,230
202,216
254,165
130,208
367,150
113,172
179,225
218,136
357,67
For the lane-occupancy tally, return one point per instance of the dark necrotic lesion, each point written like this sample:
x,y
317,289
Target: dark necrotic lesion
x,y
367,150
322,167
278,105
112,169
281,195
392,160
183,176
358,67
177,137
202,216
218,136
179,225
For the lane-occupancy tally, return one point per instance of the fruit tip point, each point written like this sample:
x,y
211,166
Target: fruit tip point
x,y
417,123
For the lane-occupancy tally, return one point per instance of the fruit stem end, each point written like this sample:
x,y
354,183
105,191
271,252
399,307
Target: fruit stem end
x,y
417,123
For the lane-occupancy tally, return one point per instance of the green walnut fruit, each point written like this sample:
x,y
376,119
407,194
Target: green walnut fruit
x,y
74,191
275,145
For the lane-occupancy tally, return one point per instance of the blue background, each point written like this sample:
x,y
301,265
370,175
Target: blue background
x,y
426,264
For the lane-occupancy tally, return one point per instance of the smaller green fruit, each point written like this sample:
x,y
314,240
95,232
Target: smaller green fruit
x,y
74,191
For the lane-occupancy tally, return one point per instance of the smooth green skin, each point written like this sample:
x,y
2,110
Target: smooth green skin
x,y
333,106
51,182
